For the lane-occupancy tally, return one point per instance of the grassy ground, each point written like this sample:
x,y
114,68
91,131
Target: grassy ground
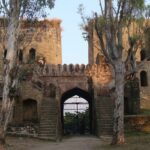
x,y
134,141
145,112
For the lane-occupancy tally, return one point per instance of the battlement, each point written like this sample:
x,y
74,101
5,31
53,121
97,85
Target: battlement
x,y
63,70
99,70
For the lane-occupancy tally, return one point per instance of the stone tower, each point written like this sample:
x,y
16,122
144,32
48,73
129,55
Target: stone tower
x,y
143,73
37,41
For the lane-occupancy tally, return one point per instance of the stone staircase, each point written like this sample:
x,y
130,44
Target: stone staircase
x,y
48,120
104,108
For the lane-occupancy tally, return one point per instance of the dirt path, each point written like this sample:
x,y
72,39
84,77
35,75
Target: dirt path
x,y
73,143
135,142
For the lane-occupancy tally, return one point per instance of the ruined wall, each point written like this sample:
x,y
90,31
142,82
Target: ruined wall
x,y
42,36
144,78
93,42
142,52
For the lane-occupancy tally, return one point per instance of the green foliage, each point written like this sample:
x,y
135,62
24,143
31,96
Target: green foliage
x,y
145,112
137,4
101,22
76,123
30,9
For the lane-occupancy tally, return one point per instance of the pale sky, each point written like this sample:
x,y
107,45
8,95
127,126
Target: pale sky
x,y
74,48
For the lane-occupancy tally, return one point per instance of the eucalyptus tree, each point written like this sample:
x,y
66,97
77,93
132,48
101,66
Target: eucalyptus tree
x,y
14,12
115,17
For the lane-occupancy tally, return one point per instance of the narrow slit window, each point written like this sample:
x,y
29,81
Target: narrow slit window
x,y
32,54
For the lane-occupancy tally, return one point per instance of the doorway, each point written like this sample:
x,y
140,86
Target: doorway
x,y
76,112
76,116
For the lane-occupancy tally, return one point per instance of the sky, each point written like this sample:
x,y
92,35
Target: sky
x,y
74,47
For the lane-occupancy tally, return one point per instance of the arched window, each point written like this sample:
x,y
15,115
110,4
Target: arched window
x,y
32,54
20,55
143,54
143,78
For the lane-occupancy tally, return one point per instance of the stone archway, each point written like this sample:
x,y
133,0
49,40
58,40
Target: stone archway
x,y
83,94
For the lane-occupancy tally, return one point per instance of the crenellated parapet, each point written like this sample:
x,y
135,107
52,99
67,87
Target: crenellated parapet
x,y
62,70
103,71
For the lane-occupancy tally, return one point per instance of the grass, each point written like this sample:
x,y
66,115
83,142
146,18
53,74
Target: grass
x,y
145,111
133,141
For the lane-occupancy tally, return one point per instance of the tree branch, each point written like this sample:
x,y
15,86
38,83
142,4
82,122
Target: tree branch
x,y
100,37
102,11
5,6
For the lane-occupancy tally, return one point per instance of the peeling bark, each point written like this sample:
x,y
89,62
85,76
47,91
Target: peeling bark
x,y
118,122
9,77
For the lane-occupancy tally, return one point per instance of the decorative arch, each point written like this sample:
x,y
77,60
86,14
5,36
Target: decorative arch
x,y
76,91
83,94
32,54
30,110
143,78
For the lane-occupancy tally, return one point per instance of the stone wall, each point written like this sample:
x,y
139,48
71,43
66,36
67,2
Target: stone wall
x,y
95,56
145,88
137,123
43,36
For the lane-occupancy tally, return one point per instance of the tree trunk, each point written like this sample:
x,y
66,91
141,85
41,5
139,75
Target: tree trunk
x,y
118,122
9,73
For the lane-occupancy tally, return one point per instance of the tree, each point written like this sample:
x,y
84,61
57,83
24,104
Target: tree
x,y
109,27
15,11
115,17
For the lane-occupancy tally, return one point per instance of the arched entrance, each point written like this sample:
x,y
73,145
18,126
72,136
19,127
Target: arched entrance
x,y
76,108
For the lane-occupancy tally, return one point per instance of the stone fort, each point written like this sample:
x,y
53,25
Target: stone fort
x,y
45,83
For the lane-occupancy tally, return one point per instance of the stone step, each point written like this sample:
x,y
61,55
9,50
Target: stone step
x,y
48,104
48,108
47,131
106,126
47,127
48,114
106,133
105,117
49,137
47,124
105,121
48,119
